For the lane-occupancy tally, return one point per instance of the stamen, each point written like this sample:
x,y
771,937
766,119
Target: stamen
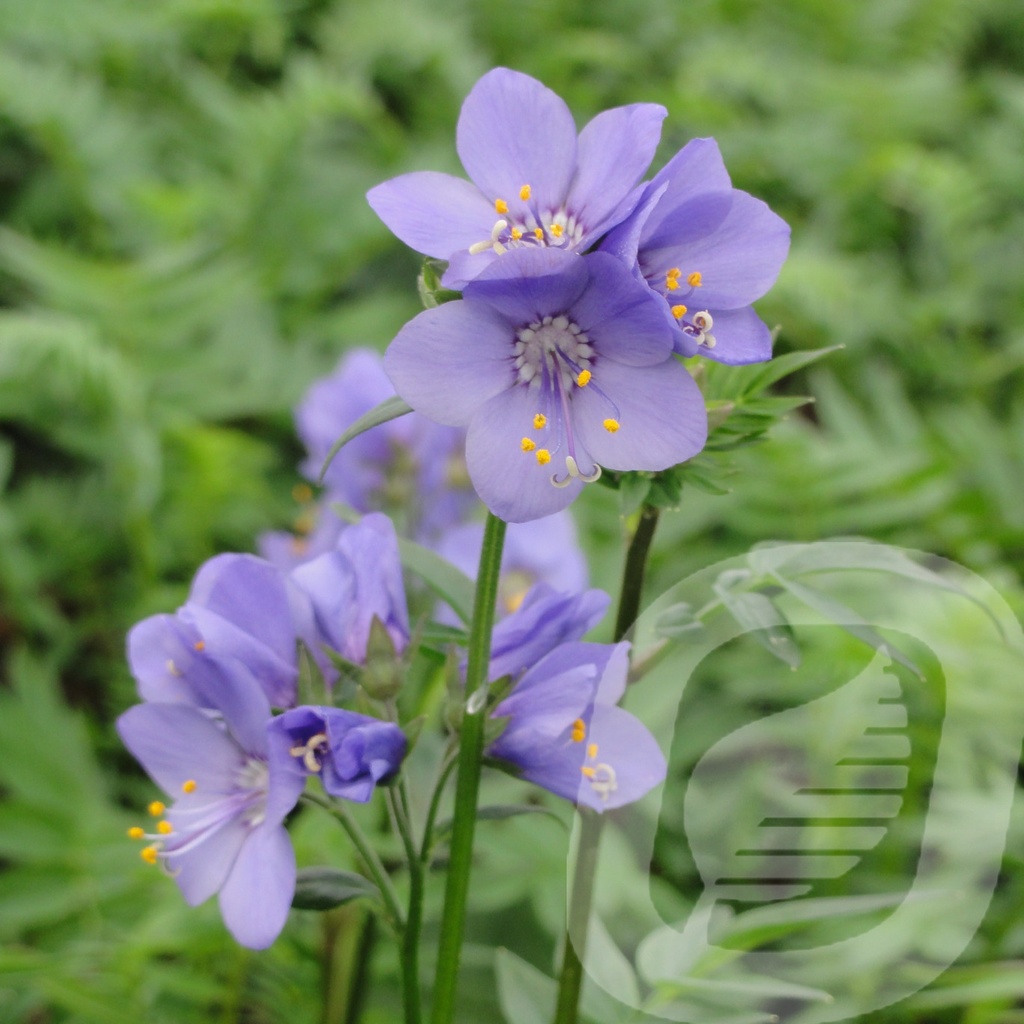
x,y
156,809
527,445
538,233
524,193
188,786
517,233
583,378
587,771
199,645
579,731
150,854
500,206
165,828
539,421
611,425
309,751
135,832
671,284
513,601
557,230
543,456
694,279
679,312
592,751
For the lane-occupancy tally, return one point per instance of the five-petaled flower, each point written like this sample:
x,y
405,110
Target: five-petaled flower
x,y
558,364
534,182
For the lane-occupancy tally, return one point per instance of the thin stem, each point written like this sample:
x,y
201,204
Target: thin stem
x,y
427,845
370,859
453,918
570,981
411,939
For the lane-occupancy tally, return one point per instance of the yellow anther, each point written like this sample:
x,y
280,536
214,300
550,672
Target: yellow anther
x,y
540,421
611,425
678,311
543,456
579,731
305,523
157,809
694,279
674,272
592,751
517,233
149,854
188,786
199,645
302,493
671,284
583,378
513,601
557,230
299,546
527,445
165,828
538,233
587,771
500,206
135,832
524,193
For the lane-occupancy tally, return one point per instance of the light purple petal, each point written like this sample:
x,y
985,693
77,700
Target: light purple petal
x,y
620,315
739,257
698,167
464,266
160,650
176,742
510,482
615,149
623,241
447,362
514,131
433,213
741,336
255,899
662,419
528,284
201,871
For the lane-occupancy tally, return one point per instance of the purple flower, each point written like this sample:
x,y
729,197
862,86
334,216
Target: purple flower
x,y
709,250
288,550
410,467
224,832
350,752
534,183
545,619
359,581
540,551
565,733
240,606
555,362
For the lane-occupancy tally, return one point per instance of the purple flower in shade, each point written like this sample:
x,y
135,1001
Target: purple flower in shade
x,y
555,362
350,752
224,831
709,250
545,619
288,550
540,551
565,733
240,606
534,183
410,467
359,581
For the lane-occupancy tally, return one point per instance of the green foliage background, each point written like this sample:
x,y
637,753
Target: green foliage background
x,y
185,246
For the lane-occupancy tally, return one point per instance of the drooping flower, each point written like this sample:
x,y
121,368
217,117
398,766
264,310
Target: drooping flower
x,y
350,752
540,551
565,733
708,250
410,467
239,606
357,582
534,183
558,364
224,830
545,619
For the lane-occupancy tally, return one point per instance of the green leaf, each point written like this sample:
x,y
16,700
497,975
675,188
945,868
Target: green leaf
x,y
499,812
633,490
757,614
525,995
440,575
389,409
782,366
323,888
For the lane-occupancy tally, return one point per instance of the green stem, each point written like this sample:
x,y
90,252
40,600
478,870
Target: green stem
x,y
369,855
427,844
414,919
570,981
453,918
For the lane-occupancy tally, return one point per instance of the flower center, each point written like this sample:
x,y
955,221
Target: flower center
x,y
553,358
599,774
528,224
678,291
312,752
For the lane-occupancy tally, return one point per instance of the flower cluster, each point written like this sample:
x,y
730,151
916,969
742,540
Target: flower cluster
x,y
579,286
210,676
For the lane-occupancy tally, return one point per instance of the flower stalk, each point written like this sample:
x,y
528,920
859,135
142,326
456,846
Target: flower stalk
x,y
468,779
